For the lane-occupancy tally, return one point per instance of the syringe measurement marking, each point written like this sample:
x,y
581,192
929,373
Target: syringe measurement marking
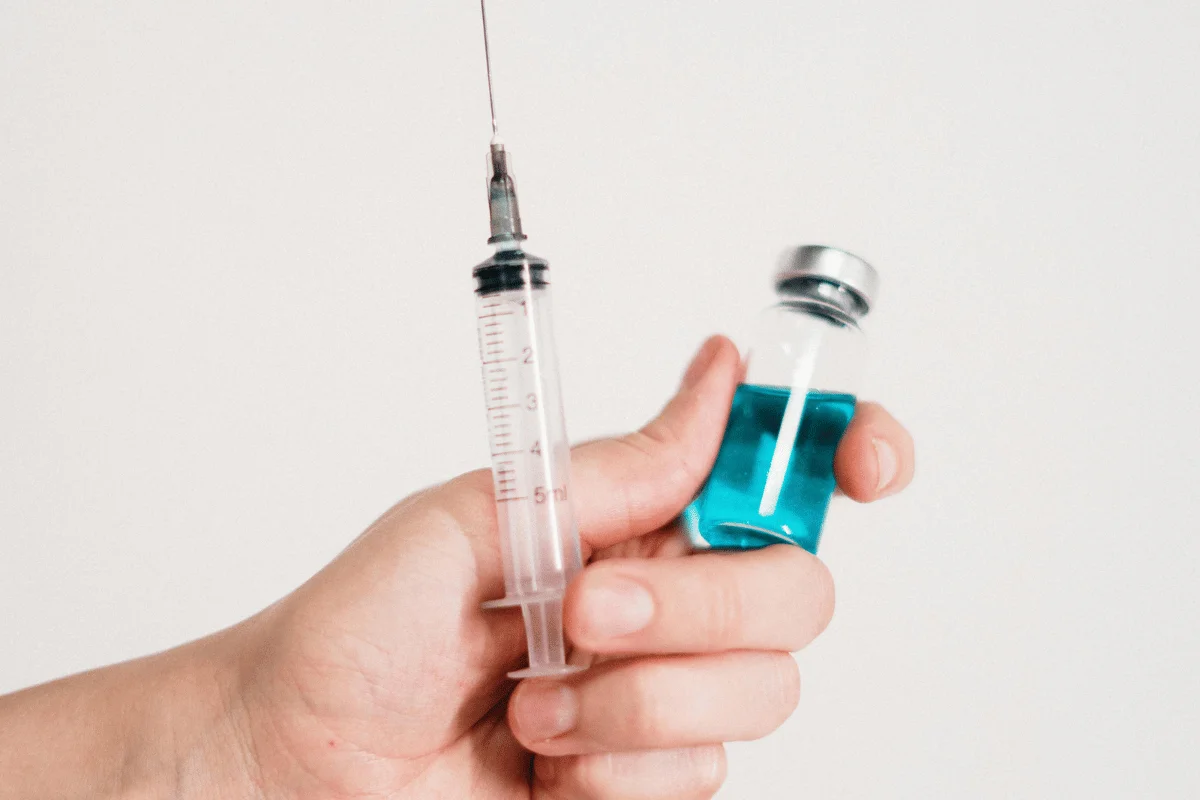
x,y
505,470
508,475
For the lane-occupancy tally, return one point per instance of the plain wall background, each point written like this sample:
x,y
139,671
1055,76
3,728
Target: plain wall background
x,y
236,325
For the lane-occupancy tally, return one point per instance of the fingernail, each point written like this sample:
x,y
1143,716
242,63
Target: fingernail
x,y
614,606
546,709
886,458
700,363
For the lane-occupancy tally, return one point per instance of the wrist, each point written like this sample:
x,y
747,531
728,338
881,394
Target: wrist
x,y
169,725
193,741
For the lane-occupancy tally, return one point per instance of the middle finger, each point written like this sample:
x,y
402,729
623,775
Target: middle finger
x,y
777,598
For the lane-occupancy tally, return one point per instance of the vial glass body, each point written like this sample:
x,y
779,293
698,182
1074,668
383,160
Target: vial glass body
x,y
773,477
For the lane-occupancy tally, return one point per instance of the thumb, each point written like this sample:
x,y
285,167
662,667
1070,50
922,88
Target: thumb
x,y
635,484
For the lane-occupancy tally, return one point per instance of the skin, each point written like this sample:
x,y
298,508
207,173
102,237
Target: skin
x,y
382,677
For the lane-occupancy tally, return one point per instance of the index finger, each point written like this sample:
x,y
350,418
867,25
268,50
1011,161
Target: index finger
x,y
635,484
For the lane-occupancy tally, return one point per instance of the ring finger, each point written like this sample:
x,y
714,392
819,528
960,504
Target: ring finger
x,y
654,703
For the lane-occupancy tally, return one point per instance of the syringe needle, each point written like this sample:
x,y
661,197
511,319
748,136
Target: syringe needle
x,y
502,193
487,57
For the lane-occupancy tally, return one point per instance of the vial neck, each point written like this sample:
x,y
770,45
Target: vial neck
x,y
816,294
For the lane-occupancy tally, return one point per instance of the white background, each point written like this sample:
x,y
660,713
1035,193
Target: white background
x,y
236,324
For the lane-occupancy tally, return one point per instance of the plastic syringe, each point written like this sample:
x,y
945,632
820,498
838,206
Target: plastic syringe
x,y
539,541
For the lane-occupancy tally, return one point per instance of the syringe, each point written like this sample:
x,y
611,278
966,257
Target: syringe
x,y
539,541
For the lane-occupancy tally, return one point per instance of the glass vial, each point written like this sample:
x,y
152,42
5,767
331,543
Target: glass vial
x,y
773,477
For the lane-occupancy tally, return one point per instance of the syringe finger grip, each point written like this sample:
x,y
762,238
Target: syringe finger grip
x,y
544,635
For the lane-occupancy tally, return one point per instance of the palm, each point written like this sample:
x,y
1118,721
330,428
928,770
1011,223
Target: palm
x,y
390,676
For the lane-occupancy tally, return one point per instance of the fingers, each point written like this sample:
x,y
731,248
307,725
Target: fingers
x,y
680,774
655,703
634,484
875,458
778,598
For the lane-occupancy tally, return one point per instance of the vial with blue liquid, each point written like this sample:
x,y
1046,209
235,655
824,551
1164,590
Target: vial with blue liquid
x,y
773,477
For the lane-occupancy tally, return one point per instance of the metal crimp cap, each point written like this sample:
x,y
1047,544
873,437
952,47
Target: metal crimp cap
x,y
801,267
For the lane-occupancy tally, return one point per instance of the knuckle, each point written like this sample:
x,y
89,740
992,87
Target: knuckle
x,y
645,722
824,595
664,446
787,684
778,694
552,773
590,776
812,592
722,619
692,773
659,468
709,767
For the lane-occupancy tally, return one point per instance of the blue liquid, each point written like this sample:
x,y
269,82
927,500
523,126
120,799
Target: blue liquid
x,y
733,510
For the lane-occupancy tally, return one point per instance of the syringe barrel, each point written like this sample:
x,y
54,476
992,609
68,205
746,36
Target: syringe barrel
x,y
539,540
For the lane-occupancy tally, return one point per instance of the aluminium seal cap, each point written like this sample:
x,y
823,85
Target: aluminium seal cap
x,y
801,267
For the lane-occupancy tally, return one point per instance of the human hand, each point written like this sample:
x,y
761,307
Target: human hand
x,y
383,677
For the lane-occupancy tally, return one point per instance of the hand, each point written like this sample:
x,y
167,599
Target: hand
x,y
382,677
